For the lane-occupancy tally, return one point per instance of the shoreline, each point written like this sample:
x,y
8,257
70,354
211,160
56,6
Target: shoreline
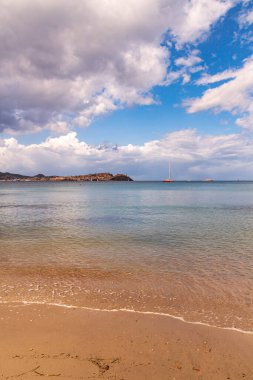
x,y
123,310
43,340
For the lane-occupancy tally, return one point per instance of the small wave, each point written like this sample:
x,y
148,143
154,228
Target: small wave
x,y
124,310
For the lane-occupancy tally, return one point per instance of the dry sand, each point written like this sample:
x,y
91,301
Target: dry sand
x,y
49,341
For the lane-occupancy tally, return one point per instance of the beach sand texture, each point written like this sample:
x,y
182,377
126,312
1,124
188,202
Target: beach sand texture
x,y
71,343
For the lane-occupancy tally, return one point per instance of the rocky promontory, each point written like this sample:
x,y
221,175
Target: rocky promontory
x,y
96,177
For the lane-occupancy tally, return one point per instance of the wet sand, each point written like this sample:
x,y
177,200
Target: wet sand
x,y
57,342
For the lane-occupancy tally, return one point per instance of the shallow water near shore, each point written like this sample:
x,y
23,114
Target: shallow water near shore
x,y
184,249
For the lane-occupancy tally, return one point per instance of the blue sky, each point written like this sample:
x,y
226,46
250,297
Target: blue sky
x,y
94,87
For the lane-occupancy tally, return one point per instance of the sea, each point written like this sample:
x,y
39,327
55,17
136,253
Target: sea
x,y
181,249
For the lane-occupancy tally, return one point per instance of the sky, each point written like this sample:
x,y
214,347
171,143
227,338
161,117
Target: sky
x,y
127,87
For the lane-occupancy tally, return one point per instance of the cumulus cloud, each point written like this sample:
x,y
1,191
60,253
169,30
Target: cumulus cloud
x,y
63,63
193,18
193,156
234,96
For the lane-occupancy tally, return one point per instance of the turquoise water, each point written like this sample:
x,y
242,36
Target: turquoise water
x,y
184,249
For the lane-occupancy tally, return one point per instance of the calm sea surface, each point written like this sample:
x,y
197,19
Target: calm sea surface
x,y
184,249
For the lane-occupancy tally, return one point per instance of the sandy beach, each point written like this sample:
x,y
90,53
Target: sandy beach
x,y
126,189
68,343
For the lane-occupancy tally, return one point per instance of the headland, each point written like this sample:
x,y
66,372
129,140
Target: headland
x,y
96,177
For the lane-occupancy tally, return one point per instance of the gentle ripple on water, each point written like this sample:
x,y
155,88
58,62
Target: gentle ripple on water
x,y
183,249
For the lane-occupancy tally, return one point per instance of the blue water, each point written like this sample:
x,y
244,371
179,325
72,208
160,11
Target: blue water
x,y
183,248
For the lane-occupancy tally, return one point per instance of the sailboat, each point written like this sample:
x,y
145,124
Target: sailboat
x,y
169,179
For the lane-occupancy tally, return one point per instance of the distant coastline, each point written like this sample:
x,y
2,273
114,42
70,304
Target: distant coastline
x,y
95,177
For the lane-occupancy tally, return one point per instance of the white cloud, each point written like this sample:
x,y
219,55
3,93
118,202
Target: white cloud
x,y
250,17
219,77
189,61
234,96
246,18
188,65
192,155
193,18
75,60
186,78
